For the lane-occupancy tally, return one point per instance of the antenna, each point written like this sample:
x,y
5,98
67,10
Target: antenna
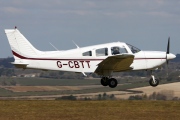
x,y
75,44
53,46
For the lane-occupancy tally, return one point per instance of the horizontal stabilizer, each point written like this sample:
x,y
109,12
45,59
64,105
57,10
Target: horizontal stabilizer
x,y
19,65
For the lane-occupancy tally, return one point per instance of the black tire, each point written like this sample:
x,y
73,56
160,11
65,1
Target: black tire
x,y
112,83
104,81
151,82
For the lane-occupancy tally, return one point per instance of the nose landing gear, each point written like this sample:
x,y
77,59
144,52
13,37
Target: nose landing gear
x,y
153,81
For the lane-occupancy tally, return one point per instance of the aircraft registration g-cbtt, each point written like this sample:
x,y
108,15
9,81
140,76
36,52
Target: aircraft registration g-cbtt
x,y
103,59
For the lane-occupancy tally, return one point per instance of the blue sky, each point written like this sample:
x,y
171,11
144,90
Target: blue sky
x,y
146,24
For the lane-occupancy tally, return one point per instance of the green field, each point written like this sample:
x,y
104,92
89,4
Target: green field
x,y
90,110
63,82
50,82
125,84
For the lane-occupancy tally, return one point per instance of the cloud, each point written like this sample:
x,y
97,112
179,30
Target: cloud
x,y
114,8
13,10
160,14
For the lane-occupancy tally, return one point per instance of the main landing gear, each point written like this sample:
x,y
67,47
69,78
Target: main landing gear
x,y
112,82
153,81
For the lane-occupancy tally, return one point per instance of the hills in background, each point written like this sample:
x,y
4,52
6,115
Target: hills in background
x,y
6,62
177,59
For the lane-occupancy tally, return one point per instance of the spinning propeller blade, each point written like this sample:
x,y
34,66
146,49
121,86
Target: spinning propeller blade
x,y
168,46
167,52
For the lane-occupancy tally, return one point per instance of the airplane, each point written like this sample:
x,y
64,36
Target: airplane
x,y
102,59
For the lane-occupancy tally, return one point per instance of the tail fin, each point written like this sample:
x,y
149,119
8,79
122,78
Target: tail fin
x,y
20,46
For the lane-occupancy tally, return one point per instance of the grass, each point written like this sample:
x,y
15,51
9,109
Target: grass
x,y
50,82
65,82
89,110
59,82
8,93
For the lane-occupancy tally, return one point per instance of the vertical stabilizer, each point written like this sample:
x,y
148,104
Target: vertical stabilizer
x,y
20,46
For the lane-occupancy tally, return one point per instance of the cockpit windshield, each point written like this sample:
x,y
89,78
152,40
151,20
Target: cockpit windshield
x,y
133,49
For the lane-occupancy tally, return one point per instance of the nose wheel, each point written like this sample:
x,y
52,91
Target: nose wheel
x,y
153,81
112,82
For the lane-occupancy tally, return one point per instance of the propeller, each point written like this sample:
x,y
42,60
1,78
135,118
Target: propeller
x,y
167,52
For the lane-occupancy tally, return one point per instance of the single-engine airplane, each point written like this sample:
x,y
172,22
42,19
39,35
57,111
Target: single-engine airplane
x,y
103,59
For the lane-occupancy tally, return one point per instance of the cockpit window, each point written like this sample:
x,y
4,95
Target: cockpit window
x,y
133,49
115,50
88,53
118,50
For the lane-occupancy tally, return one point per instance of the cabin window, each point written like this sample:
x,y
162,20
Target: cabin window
x,y
102,52
118,50
133,49
88,53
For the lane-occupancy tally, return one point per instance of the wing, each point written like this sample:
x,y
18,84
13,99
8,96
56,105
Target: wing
x,y
115,64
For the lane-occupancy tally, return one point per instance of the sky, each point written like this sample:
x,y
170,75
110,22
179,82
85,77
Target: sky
x,y
146,24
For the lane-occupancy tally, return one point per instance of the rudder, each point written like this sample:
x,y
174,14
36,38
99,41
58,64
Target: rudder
x,y
20,46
